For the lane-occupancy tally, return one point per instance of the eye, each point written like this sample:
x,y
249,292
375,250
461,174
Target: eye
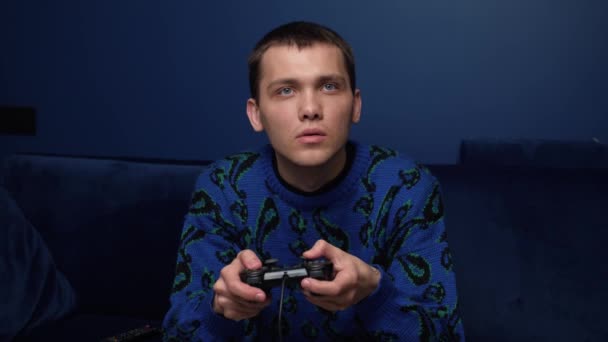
x,y
329,86
285,91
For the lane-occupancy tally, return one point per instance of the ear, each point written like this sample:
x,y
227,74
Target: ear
x,y
356,106
253,113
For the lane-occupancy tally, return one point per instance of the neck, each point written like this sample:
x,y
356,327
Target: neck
x,y
311,178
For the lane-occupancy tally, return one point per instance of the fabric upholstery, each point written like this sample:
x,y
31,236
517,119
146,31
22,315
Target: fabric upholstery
x,y
90,327
113,226
33,291
529,251
534,153
527,225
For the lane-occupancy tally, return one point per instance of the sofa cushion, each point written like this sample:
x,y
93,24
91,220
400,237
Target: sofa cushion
x,y
529,247
88,327
113,225
32,291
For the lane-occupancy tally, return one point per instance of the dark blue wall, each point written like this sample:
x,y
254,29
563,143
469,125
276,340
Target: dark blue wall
x,y
167,79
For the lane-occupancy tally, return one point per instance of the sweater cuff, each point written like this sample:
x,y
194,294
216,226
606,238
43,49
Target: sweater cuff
x,y
218,325
374,303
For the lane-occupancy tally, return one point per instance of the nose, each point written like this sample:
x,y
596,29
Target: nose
x,y
310,107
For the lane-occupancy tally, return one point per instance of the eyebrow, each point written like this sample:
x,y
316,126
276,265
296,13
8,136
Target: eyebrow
x,y
281,81
323,78
333,77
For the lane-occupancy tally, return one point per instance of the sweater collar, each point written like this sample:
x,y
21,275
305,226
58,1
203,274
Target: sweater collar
x,y
356,164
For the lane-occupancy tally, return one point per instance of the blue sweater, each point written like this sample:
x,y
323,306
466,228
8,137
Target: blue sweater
x,y
384,209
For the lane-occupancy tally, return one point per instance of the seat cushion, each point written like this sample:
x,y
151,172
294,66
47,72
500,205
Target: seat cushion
x,y
33,290
91,327
529,249
113,226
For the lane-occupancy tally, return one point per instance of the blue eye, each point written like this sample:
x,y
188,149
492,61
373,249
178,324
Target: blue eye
x,y
329,86
285,91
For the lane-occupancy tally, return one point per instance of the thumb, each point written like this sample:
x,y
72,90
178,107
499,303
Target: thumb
x,y
249,260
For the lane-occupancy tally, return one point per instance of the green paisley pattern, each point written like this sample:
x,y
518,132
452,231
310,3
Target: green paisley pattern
x,y
378,155
386,245
240,164
385,222
239,210
433,209
435,292
365,207
203,204
183,275
426,331
330,232
410,177
298,225
297,222
416,267
226,256
309,330
446,259
268,221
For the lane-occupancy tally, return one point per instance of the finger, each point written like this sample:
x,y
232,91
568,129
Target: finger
x,y
249,260
342,281
236,288
252,304
320,287
235,309
245,303
322,248
236,304
233,286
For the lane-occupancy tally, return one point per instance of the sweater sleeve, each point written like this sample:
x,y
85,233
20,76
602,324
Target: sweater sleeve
x,y
208,242
416,298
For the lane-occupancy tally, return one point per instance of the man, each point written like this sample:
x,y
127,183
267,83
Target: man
x,y
313,193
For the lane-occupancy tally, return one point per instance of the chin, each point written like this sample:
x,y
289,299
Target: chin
x,y
312,158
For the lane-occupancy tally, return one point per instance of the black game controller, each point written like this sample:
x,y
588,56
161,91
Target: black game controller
x,y
270,275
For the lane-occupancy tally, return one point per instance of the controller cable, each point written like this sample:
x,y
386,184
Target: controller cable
x,y
281,308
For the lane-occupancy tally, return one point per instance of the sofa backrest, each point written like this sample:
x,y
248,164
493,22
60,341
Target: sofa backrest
x,y
112,226
529,242
527,223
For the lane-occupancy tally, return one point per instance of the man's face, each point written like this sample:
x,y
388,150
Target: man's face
x,y
305,103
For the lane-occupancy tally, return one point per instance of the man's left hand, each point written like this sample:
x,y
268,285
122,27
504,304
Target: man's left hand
x,y
354,279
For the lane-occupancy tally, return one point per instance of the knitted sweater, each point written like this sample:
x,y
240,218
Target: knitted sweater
x,y
386,210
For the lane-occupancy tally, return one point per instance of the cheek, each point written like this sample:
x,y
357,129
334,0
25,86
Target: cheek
x,y
277,118
344,113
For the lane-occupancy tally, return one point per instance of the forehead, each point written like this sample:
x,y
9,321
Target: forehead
x,y
291,61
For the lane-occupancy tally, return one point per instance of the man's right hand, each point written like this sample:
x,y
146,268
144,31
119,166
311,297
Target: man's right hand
x,y
233,298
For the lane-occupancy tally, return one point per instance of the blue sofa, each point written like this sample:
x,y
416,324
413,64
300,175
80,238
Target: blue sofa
x,y
527,225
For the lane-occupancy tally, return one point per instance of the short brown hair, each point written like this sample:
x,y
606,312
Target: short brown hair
x,y
301,34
